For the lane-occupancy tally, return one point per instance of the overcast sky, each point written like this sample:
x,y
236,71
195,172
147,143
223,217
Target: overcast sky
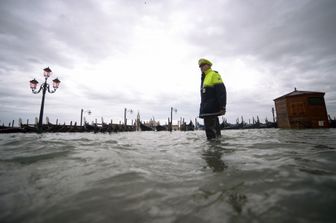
x,y
142,55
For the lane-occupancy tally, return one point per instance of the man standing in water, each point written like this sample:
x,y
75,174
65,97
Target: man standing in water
x,y
213,99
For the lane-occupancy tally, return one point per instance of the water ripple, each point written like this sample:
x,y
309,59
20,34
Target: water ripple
x,y
267,175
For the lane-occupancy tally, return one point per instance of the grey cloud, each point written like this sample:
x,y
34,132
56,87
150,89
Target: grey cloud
x,y
58,32
272,30
22,37
301,34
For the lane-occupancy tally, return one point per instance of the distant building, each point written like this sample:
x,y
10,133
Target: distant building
x,y
301,109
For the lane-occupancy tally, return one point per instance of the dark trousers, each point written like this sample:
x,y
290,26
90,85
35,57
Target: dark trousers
x,y
212,128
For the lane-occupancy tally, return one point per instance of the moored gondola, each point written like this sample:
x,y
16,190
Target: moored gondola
x,y
161,128
144,127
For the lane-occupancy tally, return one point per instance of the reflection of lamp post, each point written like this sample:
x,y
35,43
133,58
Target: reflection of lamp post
x,y
125,111
33,84
82,111
171,117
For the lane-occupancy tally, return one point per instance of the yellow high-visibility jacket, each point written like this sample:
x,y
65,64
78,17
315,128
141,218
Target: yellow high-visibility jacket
x,y
213,94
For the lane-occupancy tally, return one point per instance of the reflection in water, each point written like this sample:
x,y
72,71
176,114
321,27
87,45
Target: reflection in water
x,y
232,195
213,156
237,201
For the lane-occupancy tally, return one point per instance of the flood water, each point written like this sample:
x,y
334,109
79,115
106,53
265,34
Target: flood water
x,y
268,175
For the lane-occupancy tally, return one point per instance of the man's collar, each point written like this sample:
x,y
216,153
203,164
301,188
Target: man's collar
x,y
207,71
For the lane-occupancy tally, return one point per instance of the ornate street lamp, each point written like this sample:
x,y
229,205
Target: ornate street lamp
x,y
44,87
83,112
125,112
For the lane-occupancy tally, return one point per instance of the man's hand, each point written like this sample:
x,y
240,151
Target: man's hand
x,y
222,111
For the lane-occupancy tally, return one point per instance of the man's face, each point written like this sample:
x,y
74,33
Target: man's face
x,y
204,67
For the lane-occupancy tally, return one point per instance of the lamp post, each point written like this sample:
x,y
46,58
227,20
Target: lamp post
x,y
44,87
171,117
125,112
81,118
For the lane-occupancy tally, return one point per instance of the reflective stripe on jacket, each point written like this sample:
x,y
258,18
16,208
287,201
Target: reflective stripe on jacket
x,y
213,94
